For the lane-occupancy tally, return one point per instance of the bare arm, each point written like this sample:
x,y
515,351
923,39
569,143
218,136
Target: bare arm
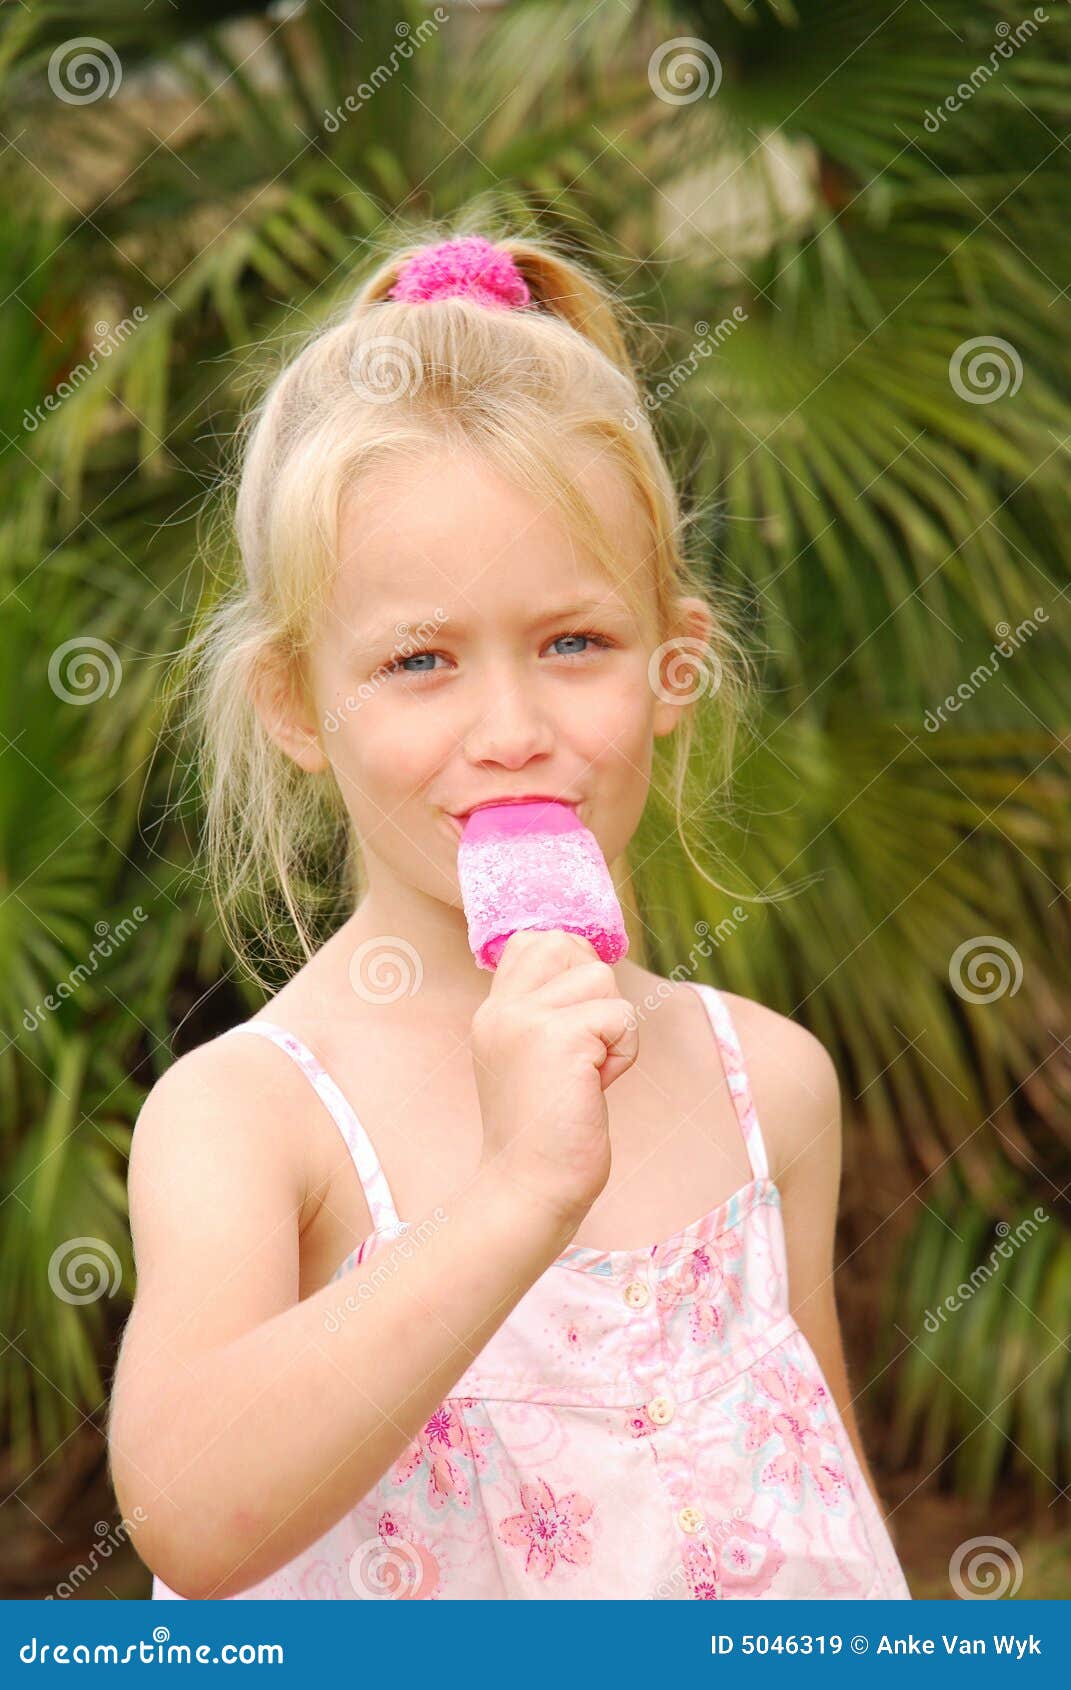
x,y
245,1423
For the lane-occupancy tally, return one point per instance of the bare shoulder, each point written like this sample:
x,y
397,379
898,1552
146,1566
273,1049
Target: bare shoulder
x,y
795,1088
218,1121
217,1165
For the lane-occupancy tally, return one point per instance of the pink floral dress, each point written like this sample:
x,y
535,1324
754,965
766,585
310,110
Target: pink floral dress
x,y
646,1424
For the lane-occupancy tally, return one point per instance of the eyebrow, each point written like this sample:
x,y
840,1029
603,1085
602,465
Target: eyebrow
x,y
384,634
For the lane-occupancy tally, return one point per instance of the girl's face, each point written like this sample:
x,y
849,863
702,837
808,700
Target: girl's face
x,y
471,652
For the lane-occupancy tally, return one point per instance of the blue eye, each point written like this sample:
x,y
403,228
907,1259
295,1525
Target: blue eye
x,y
398,665
588,634
561,637
415,658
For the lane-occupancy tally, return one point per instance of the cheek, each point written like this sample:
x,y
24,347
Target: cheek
x,y
618,720
394,749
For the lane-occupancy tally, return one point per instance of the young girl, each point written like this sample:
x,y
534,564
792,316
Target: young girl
x,y
399,1328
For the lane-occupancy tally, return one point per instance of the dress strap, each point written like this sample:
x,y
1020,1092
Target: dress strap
x,y
732,1057
373,1179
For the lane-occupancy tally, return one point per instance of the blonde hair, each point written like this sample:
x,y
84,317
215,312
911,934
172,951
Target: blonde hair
x,y
521,387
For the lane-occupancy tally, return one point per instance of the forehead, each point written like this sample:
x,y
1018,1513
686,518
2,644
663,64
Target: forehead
x,y
451,533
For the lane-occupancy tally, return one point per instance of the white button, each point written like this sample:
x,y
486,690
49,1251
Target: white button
x,y
637,1294
660,1410
690,1520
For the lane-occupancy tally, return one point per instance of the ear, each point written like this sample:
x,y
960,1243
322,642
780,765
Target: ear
x,y
683,667
281,700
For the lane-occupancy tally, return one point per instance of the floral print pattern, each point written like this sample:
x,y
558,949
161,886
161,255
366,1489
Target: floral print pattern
x,y
548,1529
443,1446
707,1279
744,1564
787,1417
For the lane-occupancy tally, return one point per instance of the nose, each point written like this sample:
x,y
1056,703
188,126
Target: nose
x,y
510,728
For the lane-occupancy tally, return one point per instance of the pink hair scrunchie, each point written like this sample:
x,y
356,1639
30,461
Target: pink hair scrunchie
x,y
467,268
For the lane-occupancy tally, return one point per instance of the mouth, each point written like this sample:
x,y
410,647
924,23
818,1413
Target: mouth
x,y
461,817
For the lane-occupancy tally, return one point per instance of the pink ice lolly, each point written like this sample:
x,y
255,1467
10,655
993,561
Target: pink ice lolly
x,y
535,865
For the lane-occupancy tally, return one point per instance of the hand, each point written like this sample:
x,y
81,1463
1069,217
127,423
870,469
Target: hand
x,y
548,1040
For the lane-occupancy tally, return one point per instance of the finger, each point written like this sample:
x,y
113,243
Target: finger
x,y
588,980
531,957
612,1022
